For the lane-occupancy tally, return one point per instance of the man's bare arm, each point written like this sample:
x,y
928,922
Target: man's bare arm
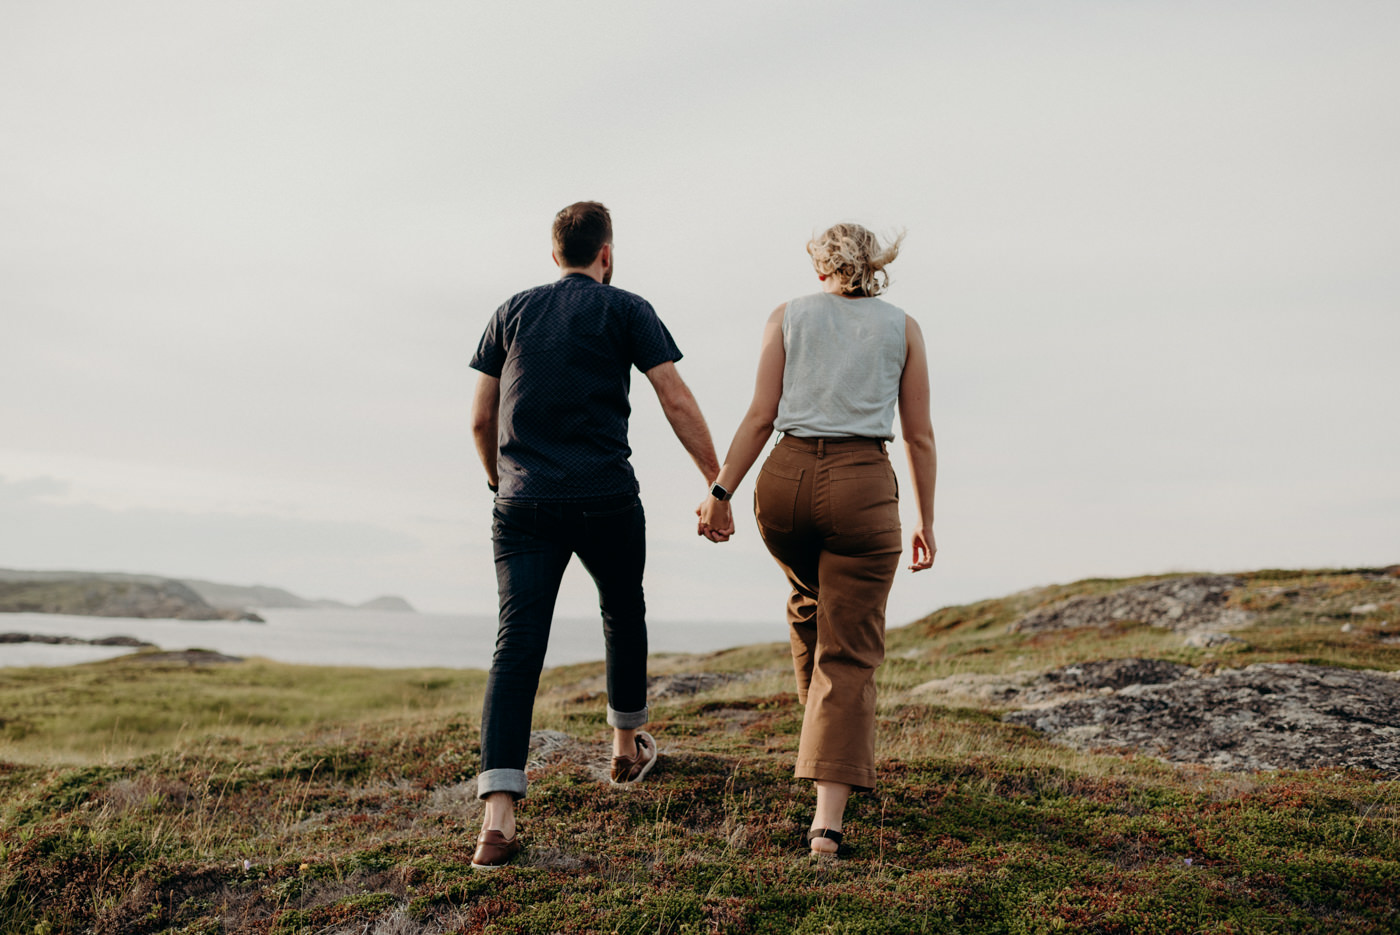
x,y
683,412
486,406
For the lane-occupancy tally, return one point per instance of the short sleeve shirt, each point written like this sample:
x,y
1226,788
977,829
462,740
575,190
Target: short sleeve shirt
x,y
564,353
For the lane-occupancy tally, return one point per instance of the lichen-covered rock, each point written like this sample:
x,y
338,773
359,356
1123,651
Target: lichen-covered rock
x,y
1185,603
1263,716
682,684
1102,677
1210,639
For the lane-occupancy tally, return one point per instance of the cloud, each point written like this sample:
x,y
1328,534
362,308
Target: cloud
x,y
37,531
251,247
33,489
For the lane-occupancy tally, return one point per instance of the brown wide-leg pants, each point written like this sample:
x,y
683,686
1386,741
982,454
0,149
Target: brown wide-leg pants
x,y
828,510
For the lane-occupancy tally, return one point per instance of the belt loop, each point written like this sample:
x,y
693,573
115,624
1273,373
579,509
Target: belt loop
x,y
821,448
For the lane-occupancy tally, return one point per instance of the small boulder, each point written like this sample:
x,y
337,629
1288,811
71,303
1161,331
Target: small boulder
x,y
1186,603
1261,717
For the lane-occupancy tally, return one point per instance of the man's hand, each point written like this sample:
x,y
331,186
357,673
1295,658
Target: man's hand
x,y
923,549
716,520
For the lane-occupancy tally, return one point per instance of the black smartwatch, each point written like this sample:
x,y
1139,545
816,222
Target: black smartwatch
x,y
719,493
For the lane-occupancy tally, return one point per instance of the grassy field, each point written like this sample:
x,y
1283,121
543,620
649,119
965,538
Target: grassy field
x,y
140,796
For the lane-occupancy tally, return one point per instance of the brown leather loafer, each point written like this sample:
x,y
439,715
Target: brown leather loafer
x,y
629,769
494,850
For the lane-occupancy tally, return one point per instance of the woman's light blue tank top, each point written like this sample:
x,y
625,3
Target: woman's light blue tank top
x,y
845,358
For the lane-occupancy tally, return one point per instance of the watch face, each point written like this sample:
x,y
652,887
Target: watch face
x,y
719,493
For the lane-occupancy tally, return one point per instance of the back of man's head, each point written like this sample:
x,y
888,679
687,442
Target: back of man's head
x,y
580,231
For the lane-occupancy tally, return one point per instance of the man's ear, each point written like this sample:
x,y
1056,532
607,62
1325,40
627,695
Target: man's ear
x,y
555,257
605,254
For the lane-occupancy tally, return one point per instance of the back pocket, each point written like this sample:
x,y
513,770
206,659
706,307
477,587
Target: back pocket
x,y
864,499
512,516
775,496
616,518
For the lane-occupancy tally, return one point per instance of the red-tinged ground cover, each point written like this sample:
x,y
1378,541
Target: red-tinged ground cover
x,y
365,822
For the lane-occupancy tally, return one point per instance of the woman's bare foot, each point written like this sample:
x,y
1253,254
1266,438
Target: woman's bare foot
x,y
831,806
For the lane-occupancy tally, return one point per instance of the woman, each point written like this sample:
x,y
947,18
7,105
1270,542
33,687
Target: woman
x,y
831,369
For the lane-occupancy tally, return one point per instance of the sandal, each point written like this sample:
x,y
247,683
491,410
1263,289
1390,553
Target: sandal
x,y
809,836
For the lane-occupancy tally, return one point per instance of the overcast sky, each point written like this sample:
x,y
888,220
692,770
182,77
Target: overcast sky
x,y
248,248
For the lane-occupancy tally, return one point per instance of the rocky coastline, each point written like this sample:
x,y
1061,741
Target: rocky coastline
x,y
52,640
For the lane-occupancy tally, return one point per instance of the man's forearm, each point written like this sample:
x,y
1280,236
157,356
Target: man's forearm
x,y
683,412
486,449
486,418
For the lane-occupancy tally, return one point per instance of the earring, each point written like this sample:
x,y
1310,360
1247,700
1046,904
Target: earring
x,y
822,277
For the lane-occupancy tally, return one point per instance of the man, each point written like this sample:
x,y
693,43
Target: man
x,y
550,422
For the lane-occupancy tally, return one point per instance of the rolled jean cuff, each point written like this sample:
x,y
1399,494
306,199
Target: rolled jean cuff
x,y
501,780
628,720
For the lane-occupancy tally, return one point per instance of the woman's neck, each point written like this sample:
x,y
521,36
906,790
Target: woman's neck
x,y
831,285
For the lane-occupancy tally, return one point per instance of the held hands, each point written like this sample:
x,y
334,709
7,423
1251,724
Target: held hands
x,y
716,520
923,548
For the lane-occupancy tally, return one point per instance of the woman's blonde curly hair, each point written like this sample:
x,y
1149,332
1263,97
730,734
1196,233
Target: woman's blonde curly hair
x,y
852,256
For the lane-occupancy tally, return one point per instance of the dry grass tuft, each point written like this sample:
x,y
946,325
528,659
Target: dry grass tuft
x,y
356,812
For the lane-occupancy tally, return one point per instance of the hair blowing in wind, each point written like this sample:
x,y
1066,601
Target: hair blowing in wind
x,y
853,256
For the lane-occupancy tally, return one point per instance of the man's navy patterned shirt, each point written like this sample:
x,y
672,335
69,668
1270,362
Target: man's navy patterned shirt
x,y
564,354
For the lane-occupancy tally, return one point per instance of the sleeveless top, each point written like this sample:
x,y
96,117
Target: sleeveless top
x,y
845,358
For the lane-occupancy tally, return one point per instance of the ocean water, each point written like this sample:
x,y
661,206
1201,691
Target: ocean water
x,y
378,639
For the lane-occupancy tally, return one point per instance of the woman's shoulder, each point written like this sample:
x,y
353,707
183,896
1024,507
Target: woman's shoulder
x,y
886,304
793,309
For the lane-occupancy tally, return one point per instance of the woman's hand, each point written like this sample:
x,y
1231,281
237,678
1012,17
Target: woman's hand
x,y
716,520
923,549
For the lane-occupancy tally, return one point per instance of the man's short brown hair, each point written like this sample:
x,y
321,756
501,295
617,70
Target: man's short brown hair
x,y
580,231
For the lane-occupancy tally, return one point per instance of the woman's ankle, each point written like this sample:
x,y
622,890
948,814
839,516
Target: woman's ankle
x,y
831,804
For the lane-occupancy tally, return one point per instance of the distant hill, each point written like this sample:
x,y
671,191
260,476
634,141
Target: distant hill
x,y
232,595
388,602
113,594
94,596
262,596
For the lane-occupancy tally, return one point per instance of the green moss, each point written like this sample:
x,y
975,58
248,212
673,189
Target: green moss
x,y
123,706
342,790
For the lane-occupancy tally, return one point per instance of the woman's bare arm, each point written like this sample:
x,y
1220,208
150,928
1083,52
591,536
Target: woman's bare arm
x,y
916,426
716,518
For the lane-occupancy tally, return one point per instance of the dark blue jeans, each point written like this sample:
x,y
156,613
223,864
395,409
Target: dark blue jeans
x,y
534,541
